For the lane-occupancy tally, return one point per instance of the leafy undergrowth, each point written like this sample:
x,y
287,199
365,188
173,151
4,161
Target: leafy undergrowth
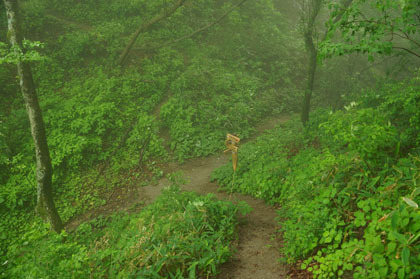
x,y
103,121
180,235
233,100
348,185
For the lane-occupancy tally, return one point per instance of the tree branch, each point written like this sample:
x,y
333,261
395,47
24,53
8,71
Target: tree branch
x,y
406,36
198,30
146,26
346,4
407,50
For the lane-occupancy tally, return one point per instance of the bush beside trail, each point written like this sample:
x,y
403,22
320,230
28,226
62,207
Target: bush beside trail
x,y
180,235
347,185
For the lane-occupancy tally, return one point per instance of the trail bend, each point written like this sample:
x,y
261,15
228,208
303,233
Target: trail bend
x,y
257,248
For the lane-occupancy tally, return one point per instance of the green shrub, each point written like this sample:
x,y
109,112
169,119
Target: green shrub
x,y
365,131
379,238
42,254
399,103
180,235
347,185
233,100
263,164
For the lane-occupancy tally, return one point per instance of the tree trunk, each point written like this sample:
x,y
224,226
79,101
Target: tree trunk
x,y
146,26
313,53
309,25
45,203
311,78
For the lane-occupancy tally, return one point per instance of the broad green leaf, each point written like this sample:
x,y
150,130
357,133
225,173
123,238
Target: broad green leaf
x,y
391,247
401,273
401,238
406,256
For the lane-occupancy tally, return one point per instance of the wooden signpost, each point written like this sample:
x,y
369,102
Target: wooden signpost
x,y
231,143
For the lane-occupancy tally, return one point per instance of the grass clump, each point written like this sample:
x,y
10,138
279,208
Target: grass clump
x,y
180,235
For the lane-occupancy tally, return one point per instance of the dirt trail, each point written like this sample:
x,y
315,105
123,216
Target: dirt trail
x,y
257,247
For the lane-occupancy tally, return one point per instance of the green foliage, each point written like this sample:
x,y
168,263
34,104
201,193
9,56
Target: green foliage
x,y
46,255
262,163
4,150
107,124
104,123
144,141
84,128
400,103
373,27
207,90
381,235
15,54
180,235
364,131
347,186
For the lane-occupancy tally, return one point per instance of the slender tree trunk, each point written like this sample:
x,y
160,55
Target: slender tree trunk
x,y
146,26
45,204
309,26
312,52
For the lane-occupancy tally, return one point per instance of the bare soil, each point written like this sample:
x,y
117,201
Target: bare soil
x,y
257,248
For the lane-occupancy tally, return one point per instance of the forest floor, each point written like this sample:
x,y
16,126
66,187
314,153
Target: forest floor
x,y
257,248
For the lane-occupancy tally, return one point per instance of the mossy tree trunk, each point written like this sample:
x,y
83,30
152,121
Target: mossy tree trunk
x,y
45,203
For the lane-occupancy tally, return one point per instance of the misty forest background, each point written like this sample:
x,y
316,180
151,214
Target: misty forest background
x,y
125,87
